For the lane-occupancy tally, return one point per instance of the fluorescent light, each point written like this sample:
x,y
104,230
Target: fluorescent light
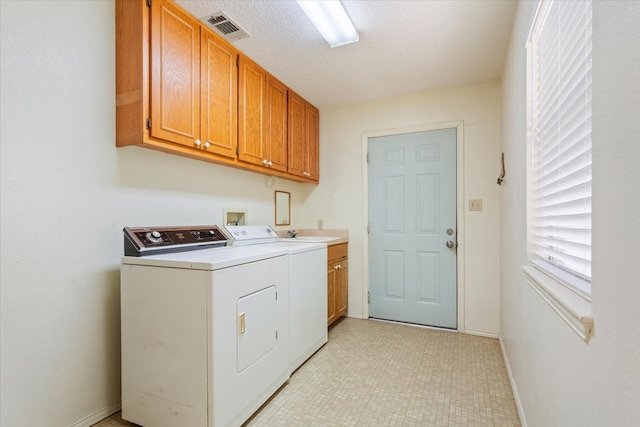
x,y
331,20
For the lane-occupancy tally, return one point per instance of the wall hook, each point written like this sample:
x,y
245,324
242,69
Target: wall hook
x,y
501,177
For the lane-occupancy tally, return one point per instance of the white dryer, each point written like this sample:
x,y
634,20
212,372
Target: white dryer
x,y
205,333
308,288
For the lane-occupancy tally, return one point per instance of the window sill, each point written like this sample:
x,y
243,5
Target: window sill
x,y
572,308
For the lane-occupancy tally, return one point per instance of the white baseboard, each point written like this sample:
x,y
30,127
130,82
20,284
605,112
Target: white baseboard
x,y
98,416
481,333
514,389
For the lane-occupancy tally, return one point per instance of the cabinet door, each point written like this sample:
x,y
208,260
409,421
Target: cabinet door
x,y
252,120
175,74
277,135
332,274
342,288
304,120
297,146
219,101
312,140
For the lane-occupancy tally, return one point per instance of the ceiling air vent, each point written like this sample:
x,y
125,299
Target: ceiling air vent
x,y
223,25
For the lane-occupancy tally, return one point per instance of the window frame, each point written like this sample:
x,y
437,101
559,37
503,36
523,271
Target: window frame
x,y
565,293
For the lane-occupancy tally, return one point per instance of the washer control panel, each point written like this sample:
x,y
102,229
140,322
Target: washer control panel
x,y
140,241
251,234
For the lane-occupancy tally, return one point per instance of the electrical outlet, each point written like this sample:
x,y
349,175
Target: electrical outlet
x,y
320,224
475,204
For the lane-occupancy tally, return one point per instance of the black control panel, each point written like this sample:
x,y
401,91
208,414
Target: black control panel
x,y
156,240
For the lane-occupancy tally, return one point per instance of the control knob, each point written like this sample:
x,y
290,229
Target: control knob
x,y
154,236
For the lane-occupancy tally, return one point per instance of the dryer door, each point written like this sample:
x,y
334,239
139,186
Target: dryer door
x,y
257,326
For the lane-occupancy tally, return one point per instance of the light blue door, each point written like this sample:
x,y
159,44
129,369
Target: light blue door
x,y
412,223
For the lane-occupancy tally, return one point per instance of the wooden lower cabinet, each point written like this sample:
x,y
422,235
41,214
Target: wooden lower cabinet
x,y
337,282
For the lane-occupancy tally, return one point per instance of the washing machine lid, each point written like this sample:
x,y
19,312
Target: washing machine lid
x,y
209,259
298,248
244,235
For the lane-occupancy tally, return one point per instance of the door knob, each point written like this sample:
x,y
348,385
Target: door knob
x,y
450,244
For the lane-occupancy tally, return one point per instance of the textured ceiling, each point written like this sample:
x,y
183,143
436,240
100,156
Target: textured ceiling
x,y
405,46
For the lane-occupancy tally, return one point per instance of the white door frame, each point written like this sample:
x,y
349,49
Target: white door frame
x,y
460,261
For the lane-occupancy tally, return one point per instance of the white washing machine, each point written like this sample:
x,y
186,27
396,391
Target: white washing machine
x,y
308,288
205,333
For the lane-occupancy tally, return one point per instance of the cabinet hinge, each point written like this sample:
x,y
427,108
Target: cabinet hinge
x,y
276,296
276,335
237,151
148,122
148,3
237,58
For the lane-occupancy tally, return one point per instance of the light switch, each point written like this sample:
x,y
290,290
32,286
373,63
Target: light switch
x,y
475,204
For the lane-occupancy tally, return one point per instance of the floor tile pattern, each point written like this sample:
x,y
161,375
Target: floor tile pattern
x,y
374,373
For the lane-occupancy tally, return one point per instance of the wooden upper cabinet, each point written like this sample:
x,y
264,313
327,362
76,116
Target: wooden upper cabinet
x,y
219,102
184,90
297,149
277,122
312,141
252,119
263,117
175,74
303,138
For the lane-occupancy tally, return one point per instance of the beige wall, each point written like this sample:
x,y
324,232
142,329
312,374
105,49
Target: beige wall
x,y
338,200
558,379
67,192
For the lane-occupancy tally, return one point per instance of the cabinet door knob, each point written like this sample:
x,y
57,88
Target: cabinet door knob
x,y
264,162
207,145
269,163
197,143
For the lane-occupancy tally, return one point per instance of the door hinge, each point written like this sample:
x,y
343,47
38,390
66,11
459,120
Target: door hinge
x,y
276,296
369,297
148,122
276,335
367,157
368,228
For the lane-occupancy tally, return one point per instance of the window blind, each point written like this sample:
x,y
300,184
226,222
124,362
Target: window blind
x,y
560,119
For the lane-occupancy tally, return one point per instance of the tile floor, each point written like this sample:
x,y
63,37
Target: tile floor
x,y
375,373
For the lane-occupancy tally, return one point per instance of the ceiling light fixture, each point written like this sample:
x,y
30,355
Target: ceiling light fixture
x,y
331,20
